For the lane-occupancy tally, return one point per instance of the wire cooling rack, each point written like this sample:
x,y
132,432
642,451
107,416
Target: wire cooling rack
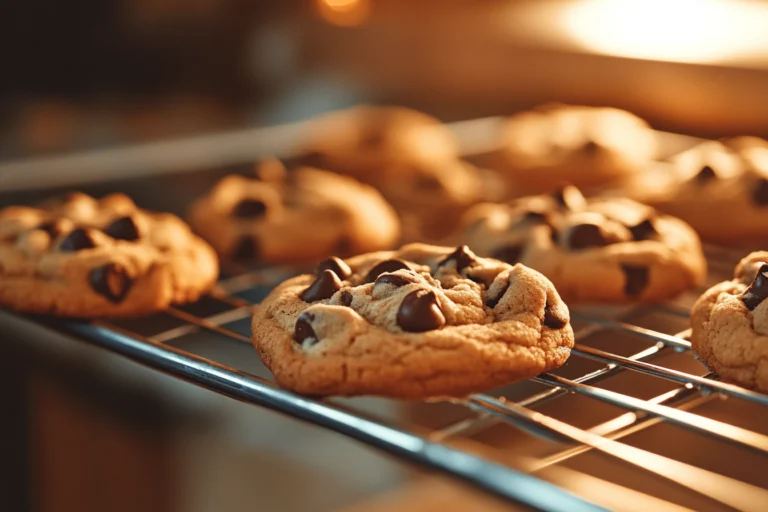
x,y
631,408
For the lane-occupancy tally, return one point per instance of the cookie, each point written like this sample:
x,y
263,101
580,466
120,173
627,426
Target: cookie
x,y
585,146
292,217
417,322
409,156
721,189
729,325
85,257
600,249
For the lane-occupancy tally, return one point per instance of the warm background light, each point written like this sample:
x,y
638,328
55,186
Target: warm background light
x,y
344,12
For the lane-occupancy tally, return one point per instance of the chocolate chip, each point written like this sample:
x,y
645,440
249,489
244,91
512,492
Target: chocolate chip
x,y
77,240
124,228
462,256
337,265
246,249
644,231
508,253
537,217
386,266
393,279
345,299
758,290
51,227
491,302
590,147
555,317
636,279
303,331
569,197
111,281
583,236
706,174
760,192
420,312
324,287
424,182
249,208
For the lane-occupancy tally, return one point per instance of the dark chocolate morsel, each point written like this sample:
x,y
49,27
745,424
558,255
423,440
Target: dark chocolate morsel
x,y
758,290
345,299
386,266
636,279
249,208
111,281
303,331
337,265
583,236
644,231
51,227
246,249
760,193
555,318
492,301
462,256
77,240
508,253
533,216
420,312
426,182
706,174
324,287
590,147
393,279
568,197
124,228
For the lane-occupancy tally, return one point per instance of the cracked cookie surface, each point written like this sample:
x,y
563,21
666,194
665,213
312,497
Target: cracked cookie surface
x,y
417,322
593,250
301,215
729,325
83,257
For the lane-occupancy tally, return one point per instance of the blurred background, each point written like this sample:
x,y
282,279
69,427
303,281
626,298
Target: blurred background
x,y
90,431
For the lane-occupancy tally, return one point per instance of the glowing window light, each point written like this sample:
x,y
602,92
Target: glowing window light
x,y
344,12
673,30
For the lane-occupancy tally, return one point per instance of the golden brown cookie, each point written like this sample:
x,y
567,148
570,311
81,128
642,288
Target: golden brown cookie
x,y
417,322
85,257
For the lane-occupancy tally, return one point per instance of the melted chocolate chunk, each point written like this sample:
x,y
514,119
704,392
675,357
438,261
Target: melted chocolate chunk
x,y
583,236
706,174
491,302
568,197
537,217
384,267
590,147
249,209
324,287
246,249
77,240
393,279
462,256
636,279
124,228
51,227
555,318
111,281
426,182
420,312
644,231
303,331
345,299
758,290
508,253
337,265
760,193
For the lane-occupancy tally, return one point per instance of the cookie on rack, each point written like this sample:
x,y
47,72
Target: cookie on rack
x,y
407,155
593,250
586,146
729,325
417,322
303,215
83,257
719,188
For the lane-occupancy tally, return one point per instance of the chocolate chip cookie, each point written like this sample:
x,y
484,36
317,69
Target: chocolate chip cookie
x,y
586,146
83,257
601,249
719,188
407,155
729,324
417,322
290,217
